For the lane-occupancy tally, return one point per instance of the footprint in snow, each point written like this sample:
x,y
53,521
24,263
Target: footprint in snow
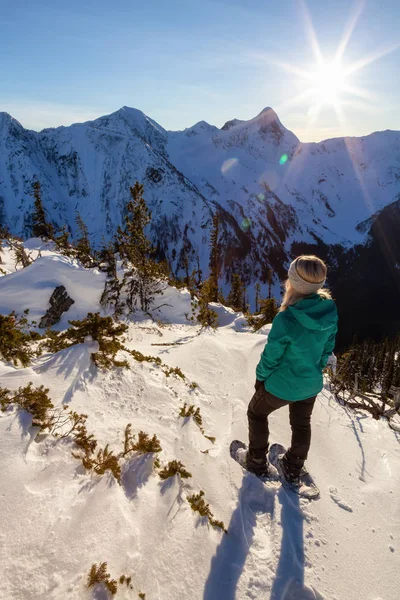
x,y
337,499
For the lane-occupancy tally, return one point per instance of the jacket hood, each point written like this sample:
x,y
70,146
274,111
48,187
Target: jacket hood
x,y
315,313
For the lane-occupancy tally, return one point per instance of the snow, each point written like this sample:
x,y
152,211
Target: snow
x,y
326,189
57,520
31,288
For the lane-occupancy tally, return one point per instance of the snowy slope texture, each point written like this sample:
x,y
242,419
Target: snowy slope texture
x,y
57,519
270,188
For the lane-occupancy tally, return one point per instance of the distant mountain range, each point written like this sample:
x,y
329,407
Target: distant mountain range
x,y
275,194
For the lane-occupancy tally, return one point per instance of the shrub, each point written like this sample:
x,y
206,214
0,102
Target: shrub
x,y
98,576
126,580
172,468
267,313
198,504
191,411
143,358
36,401
14,342
367,374
104,461
143,445
174,371
102,329
157,360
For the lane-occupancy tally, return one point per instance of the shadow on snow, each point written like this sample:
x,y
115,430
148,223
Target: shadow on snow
x,y
228,563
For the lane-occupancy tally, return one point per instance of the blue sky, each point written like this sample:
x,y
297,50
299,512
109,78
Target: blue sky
x,y
183,61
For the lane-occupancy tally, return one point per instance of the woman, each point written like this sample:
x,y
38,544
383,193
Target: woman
x,y
290,369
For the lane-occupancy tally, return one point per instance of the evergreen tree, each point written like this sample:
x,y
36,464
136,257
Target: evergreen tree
x,y
144,277
62,241
206,316
82,245
41,228
14,342
215,259
21,256
269,281
198,273
245,303
236,296
258,291
111,295
268,310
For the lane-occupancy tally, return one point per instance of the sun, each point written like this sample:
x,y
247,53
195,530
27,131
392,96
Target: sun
x,y
327,83
330,83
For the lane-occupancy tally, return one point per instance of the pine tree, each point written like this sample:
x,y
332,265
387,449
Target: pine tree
x,y
269,281
268,311
82,245
206,316
215,259
14,342
21,256
62,241
198,273
111,295
258,291
245,303
40,228
144,276
236,296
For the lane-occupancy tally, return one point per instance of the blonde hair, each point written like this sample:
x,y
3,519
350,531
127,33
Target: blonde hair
x,y
311,269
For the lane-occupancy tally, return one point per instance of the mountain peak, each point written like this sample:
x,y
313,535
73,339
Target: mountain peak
x,y
267,114
133,122
7,119
232,123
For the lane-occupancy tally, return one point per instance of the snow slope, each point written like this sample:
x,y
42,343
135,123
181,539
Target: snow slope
x,y
57,520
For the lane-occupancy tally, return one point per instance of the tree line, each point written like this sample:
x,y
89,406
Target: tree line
x,y
144,276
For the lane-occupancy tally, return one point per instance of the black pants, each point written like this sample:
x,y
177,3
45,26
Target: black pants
x,y
263,404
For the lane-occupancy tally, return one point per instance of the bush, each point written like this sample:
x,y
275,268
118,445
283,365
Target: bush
x,y
143,445
35,401
191,411
98,576
366,375
198,504
143,358
104,461
174,371
268,312
126,580
157,360
14,342
172,468
102,329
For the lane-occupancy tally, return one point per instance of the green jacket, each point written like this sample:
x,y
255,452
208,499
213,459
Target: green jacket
x,y
299,344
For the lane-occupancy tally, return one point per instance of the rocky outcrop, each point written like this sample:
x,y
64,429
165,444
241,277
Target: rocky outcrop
x,y
60,302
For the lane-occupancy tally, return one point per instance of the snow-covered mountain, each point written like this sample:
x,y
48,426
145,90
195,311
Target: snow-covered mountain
x,y
271,189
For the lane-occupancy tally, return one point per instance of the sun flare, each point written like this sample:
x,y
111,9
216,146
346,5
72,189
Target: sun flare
x,y
330,83
327,83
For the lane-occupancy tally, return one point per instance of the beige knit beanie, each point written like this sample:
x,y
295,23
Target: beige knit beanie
x,y
301,285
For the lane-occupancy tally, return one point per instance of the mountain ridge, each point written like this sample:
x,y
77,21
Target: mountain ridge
x,y
274,193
